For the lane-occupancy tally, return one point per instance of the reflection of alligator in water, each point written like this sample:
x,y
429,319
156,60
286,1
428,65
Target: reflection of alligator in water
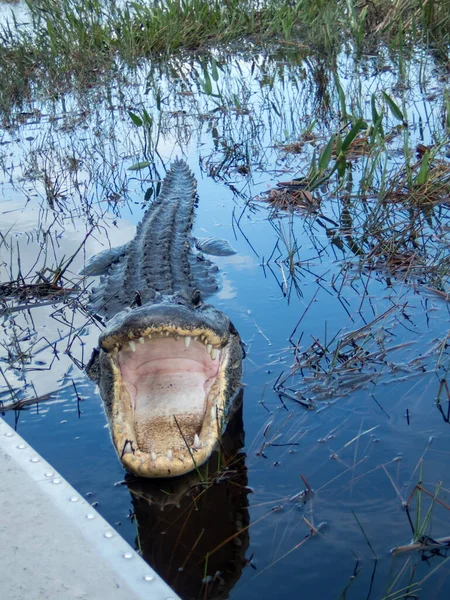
x,y
193,530
169,368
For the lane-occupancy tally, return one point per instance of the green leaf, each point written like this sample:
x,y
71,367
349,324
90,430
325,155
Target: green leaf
x,y
338,144
342,102
313,168
447,109
325,157
362,22
214,71
147,119
395,110
341,165
206,83
351,135
375,113
311,126
378,128
422,175
136,119
140,165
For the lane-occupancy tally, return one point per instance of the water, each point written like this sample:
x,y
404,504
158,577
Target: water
x,y
292,290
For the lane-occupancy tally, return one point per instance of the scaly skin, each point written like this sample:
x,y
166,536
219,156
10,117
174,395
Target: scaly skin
x,y
160,258
169,370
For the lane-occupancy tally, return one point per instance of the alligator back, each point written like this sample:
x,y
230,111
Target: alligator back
x,y
161,257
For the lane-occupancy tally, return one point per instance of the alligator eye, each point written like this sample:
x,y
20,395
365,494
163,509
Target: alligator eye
x,y
137,298
196,298
233,329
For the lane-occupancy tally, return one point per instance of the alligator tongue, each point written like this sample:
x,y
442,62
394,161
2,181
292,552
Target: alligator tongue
x,y
169,410
168,385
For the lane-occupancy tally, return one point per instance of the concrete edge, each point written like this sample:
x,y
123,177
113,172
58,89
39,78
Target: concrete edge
x,y
96,531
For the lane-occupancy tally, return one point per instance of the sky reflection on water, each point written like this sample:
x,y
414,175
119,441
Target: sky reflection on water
x,y
357,450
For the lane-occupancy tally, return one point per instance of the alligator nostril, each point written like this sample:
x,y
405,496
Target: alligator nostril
x,y
196,298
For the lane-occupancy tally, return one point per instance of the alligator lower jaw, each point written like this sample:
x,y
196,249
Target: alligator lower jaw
x,y
168,403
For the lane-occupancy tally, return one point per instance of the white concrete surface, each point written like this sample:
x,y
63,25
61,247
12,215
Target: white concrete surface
x,y
54,545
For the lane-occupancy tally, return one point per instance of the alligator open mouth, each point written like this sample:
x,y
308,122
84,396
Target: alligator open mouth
x,y
169,397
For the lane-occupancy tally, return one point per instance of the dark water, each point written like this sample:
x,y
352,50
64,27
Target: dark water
x,y
375,431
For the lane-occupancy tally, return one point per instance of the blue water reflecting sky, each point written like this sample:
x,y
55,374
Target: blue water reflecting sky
x,y
358,450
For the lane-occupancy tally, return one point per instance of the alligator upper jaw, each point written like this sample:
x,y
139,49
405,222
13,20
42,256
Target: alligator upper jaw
x,y
168,399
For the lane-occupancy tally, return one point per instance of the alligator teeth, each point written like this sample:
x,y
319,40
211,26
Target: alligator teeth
x,y
149,336
170,455
132,346
209,348
197,443
167,333
128,448
153,456
213,412
195,338
181,457
214,353
187,341
141,340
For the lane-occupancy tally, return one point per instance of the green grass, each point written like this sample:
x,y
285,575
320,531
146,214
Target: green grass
x,y
65,34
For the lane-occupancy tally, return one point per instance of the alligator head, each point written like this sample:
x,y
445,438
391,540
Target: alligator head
x,y
168,370
168,375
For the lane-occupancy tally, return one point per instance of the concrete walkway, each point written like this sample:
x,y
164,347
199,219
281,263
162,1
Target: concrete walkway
x,y
54,545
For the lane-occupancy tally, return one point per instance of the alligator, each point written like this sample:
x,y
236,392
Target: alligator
x,y
168,365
